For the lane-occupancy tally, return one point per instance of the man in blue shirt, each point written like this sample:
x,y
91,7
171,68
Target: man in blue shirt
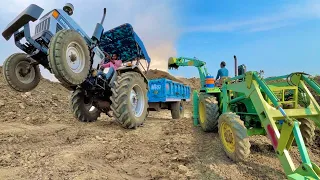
x,y
223,72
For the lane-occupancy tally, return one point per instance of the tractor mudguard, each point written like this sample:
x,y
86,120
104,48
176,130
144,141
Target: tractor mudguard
x,y
132,68
31,13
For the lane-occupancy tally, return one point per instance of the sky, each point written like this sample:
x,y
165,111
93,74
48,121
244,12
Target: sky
x,y
277,36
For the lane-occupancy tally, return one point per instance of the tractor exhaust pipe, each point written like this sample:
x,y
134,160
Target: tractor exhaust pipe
x,y
104,15
235,66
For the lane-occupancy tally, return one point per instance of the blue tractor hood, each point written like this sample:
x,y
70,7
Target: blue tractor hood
x,y
122,40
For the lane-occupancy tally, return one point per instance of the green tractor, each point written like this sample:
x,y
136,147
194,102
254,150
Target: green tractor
x,y
282,108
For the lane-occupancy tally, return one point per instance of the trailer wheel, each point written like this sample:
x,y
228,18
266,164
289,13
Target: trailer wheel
x,y
307,129
233,135
130,100
16,75
82,108
177,110
69,57
208,112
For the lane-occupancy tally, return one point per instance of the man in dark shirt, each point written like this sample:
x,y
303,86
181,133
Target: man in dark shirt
x,y
223,72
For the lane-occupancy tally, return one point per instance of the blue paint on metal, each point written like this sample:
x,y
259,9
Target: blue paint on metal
x,y
282,112
143,49
165,90
31,13
66,20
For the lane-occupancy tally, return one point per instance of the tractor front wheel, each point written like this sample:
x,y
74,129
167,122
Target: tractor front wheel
x,y
69,57
208,112
233,135
130,100
20,74
82,107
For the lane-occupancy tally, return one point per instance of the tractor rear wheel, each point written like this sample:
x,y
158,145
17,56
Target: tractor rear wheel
x,y
17,75
233,135
307,129
130,100
208,112
82,107
177,110
69,57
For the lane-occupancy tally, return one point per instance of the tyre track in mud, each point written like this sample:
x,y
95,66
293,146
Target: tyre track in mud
x,y
40,139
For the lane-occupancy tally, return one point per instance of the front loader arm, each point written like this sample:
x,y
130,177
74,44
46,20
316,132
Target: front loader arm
x,y
175,63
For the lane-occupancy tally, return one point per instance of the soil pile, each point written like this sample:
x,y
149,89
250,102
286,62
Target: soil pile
x,y
155,74
48,102
40,139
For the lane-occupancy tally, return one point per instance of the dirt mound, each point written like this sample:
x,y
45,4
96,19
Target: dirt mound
x,y
40,139
155,74
47,102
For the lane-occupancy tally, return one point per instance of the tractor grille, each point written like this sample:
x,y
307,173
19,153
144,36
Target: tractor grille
x,y
58,28
44,25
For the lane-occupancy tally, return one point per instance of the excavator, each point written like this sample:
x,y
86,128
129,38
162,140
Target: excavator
x,y
282,108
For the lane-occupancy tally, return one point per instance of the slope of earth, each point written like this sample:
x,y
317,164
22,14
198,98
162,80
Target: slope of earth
x,y
155,74
40,139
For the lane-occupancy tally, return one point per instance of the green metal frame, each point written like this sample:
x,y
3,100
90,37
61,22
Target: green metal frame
x,y
269,112
200,65
261,101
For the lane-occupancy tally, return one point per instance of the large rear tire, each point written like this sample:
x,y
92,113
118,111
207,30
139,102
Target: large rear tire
x,y
69,57
82,107
208,112
15,73
177,110
233,135
130,100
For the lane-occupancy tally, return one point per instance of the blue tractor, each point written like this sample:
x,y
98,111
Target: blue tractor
x,y
62,47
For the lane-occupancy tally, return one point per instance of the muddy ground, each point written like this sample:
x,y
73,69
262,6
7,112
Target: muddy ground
x,y
40,139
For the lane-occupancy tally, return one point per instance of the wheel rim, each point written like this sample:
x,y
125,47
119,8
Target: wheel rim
x,y
75,57
137,100
228,138
88,105
21,68
202,112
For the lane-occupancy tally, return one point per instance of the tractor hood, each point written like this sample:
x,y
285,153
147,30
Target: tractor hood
x,y
123,41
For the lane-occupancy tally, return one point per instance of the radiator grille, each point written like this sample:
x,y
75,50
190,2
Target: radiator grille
x,y
44,25
58,28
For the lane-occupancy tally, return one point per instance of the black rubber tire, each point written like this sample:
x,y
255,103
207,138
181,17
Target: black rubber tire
x,y
148,113
307,129
209,120
121,105
79,107
239,134
58,61
9,72
176,112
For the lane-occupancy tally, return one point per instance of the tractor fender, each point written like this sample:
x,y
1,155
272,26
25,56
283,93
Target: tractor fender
x,y
31,13
132,68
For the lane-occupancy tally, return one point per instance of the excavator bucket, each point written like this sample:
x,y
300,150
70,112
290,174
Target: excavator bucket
x,y
172,63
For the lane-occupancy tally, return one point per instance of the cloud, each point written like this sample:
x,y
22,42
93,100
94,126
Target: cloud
x,y
155,24
289,14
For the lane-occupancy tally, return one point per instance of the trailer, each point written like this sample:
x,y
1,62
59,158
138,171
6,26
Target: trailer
x,y
167,94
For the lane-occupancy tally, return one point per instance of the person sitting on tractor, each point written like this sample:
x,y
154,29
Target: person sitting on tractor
x,y
222,73
112,63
